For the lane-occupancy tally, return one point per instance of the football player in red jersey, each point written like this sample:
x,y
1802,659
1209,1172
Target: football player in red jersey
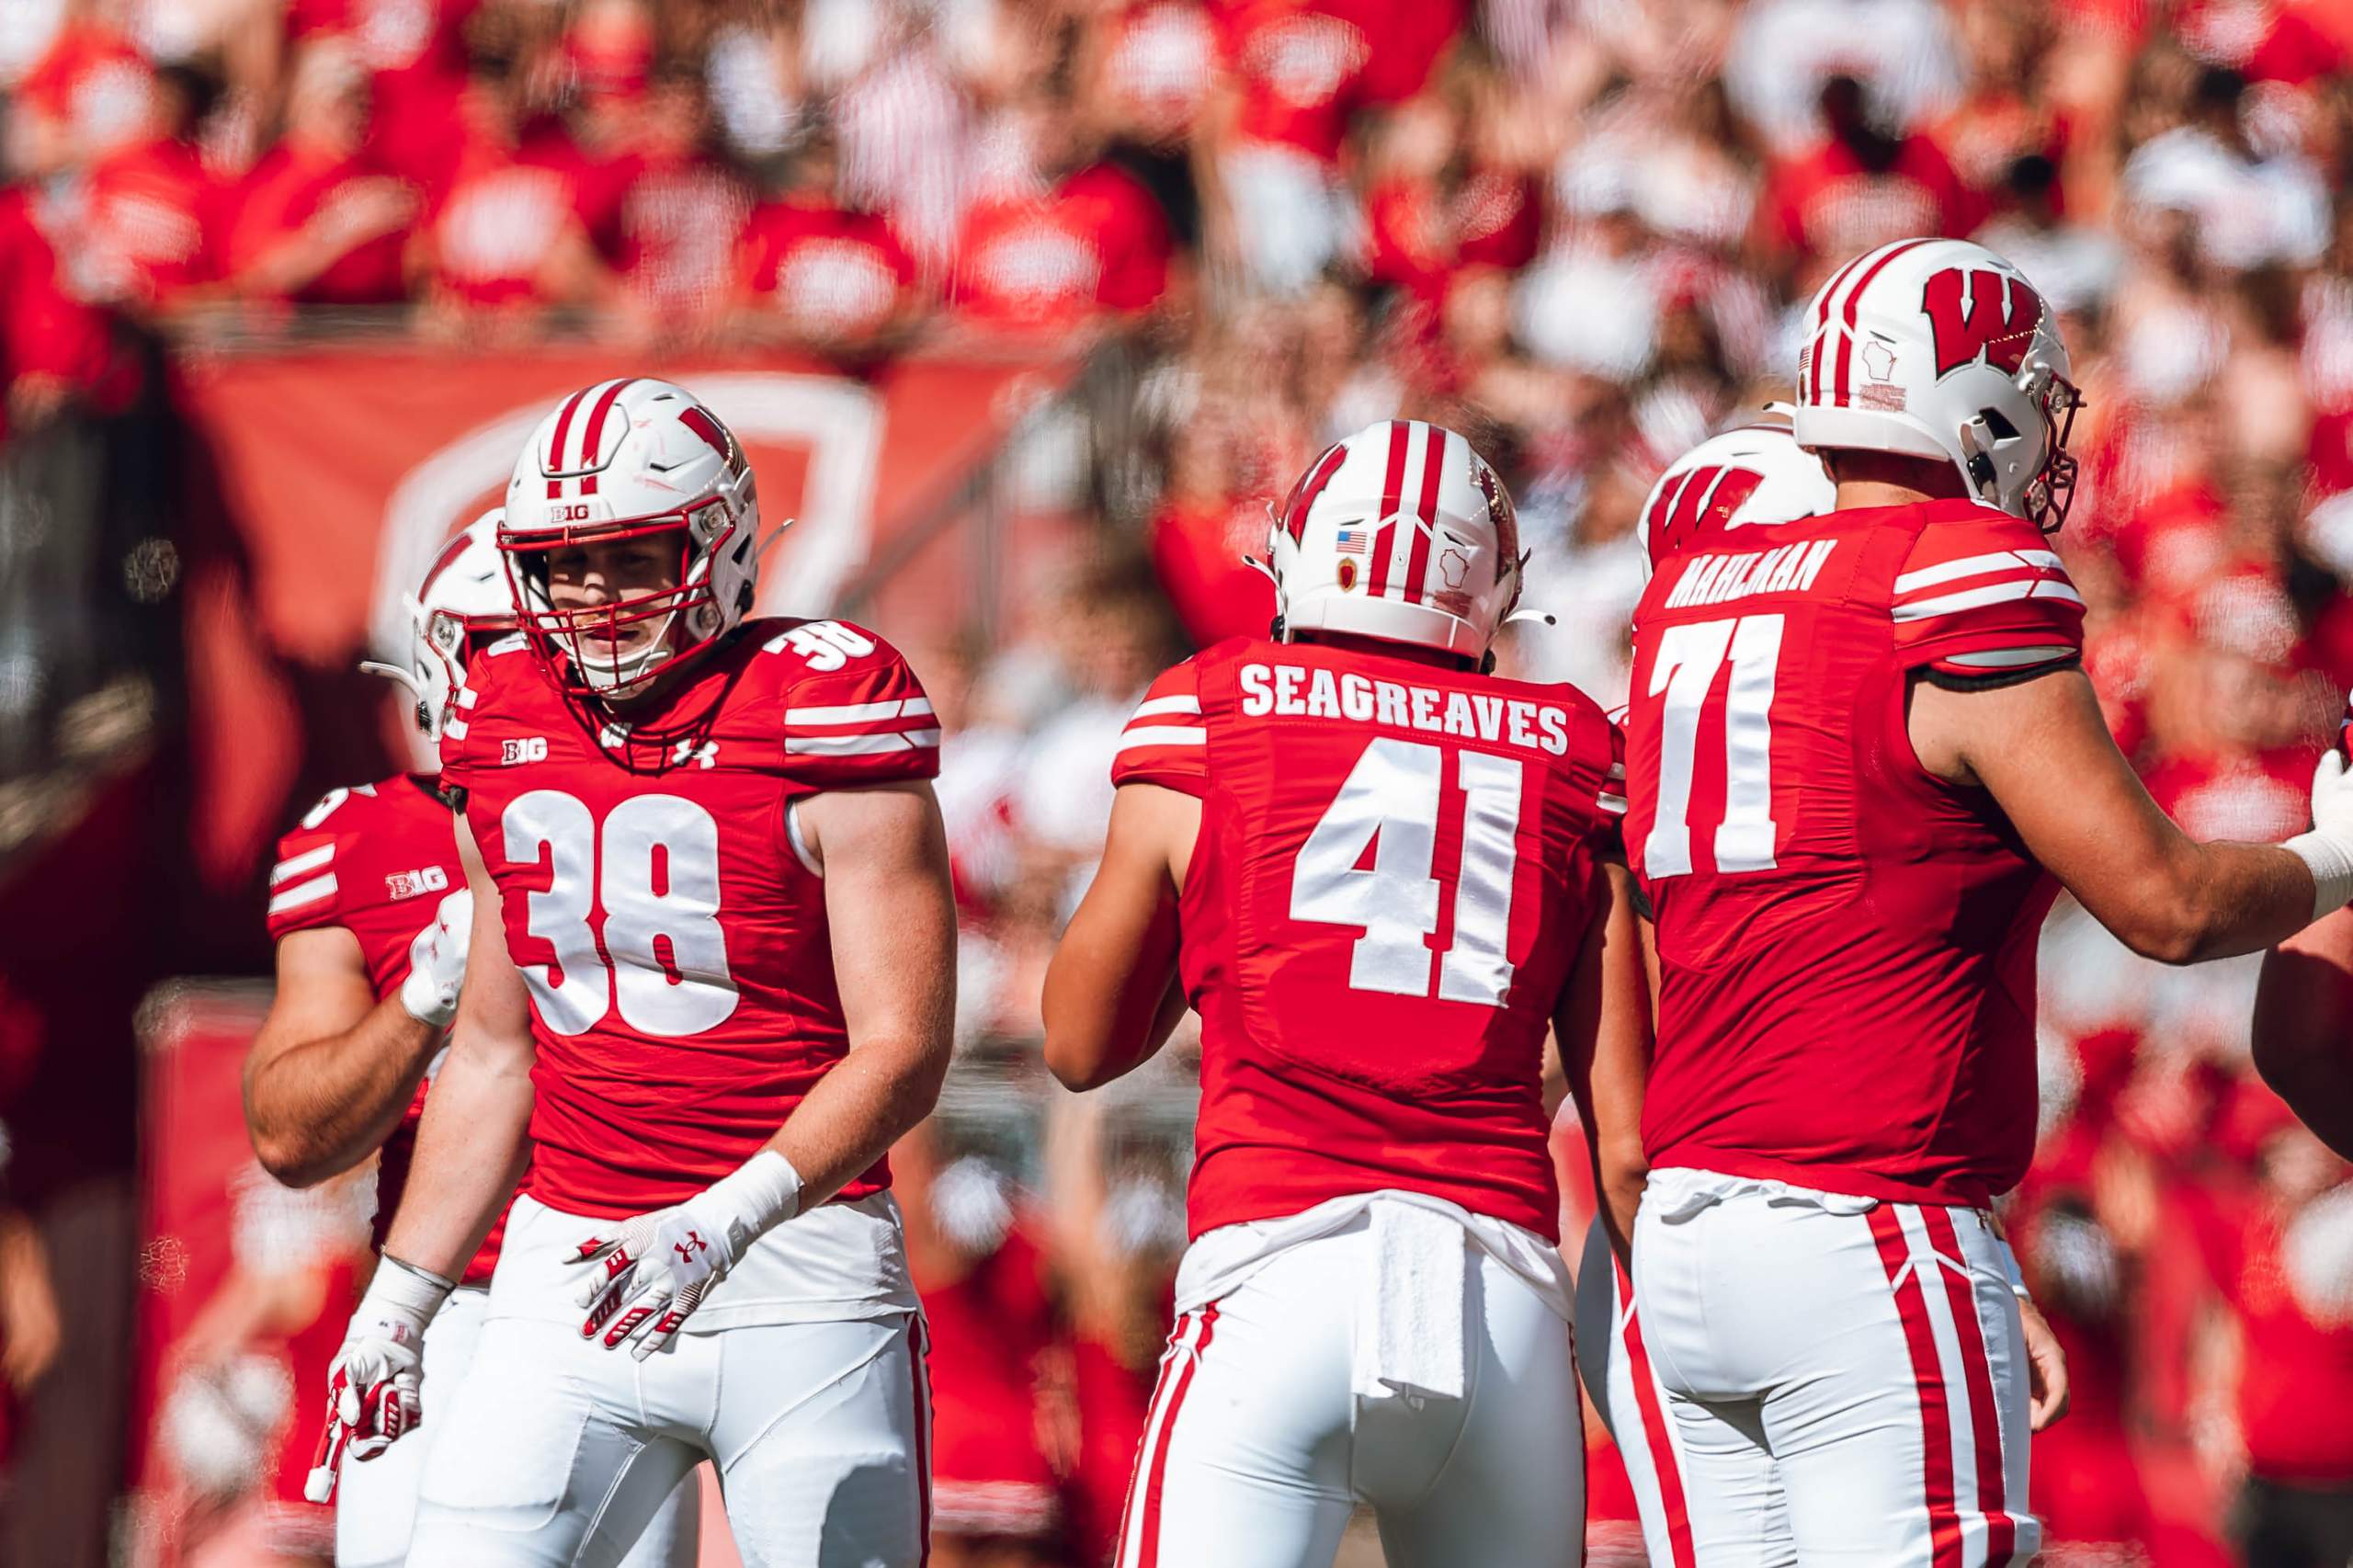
x,y
371,913
2302,1008
1379,873
1861,758
711,982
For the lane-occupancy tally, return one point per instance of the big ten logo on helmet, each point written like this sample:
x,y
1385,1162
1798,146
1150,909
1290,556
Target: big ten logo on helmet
x,y
1977,311
825,644
528,748
409,884
1293,691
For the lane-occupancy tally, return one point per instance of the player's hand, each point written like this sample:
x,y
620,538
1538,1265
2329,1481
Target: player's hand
x,y
376,1379
2332,794
436,962
651,1274
2046,1370
646,1276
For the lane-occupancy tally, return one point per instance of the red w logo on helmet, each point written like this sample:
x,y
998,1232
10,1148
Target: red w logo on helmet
x,y
1701,503
1981,311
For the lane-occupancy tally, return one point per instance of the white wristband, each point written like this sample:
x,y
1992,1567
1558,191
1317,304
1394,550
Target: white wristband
x,y
404,1287
2330,859
2010,1268
758,1195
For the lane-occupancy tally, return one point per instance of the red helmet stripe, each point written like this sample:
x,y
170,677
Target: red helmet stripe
x,y
1401,436
1663,542
1846,341
1685,523
1822,324
1433,467
563,426
445,558
1302,495
592,433
702,425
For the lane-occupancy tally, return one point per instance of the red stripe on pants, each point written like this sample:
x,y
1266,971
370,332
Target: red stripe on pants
x,y
1401,436
1417,564
919,1376
1153,1414
1662,1447
1936,1412
1977,1367
1148,1546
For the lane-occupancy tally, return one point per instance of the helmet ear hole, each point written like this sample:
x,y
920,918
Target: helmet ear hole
x,y
1999,423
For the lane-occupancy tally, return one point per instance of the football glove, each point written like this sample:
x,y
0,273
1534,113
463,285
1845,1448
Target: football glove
x,y
2327,850
647,1275
374,1380
436,962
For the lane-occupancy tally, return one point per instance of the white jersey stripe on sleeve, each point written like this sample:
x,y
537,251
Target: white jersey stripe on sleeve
x,y
1977,566
859,712
294,865
1163,735
301,893
1998,593
454,727
1610,802
860,745
2009,658
1161,704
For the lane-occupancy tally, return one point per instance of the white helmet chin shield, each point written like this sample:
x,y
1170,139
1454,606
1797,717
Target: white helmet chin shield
x,y
464,596
631,458
1941,349
1754,475
1400,532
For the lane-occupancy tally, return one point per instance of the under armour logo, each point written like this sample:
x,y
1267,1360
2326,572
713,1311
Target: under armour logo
x,y
687,751
691,1245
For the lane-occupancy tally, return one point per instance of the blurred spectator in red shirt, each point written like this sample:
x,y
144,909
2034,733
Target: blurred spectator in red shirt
x,y
1086,238
52,347
815,271
414,54
1199,534
681,211
89,96
316,221
2282,1257
505,231
1861,187
153,212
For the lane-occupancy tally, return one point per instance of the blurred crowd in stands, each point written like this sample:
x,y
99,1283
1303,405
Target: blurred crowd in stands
x,y
1577,230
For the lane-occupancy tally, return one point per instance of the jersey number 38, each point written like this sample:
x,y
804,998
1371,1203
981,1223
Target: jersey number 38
x,y
653,867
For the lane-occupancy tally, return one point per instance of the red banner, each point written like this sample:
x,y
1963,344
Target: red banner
x,y
340,473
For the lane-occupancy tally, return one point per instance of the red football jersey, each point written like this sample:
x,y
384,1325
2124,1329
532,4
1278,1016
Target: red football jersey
x,y
671,931
377,860
1845,942
1395,871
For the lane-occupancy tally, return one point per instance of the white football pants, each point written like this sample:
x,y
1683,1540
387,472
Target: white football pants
x,y
1616,1366
375,1500
557,1451
1256,1449
1856,1366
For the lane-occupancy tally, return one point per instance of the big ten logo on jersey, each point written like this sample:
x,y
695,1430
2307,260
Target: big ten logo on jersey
x,y
1295,691
528,748
409,884
825,644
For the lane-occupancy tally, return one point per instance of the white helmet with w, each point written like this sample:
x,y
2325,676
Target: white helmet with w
x,y
463,601
1400,532
1942,349
1754,474
633,458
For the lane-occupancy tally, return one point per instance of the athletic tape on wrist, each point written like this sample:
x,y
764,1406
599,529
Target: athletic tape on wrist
x,y
419,1292
758,1195
2330,860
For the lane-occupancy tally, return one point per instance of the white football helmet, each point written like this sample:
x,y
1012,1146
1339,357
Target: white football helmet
x,y
464,598
1752,475
633,458
1400,532
1940,348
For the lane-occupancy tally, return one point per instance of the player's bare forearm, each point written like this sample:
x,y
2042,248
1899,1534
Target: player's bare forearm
x,y
2303,1006
1603,1029
471,1144
892,918
2042,750
1111,995
333,1068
